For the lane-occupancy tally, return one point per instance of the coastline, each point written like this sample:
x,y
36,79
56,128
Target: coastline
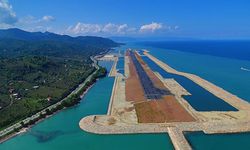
x,y
10,133
24,130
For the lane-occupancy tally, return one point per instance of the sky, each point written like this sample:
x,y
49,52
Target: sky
x,y
215,19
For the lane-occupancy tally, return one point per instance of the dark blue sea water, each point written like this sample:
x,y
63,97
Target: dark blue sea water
x,y
231,74
230,49
201,99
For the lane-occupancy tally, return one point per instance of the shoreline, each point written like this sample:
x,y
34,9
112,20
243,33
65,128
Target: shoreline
x,y
26,129
12,133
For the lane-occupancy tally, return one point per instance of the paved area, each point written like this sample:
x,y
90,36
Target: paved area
x,y
134,88
113,70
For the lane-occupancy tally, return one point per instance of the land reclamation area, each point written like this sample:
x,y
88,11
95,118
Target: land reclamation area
x,y
152,97
157,104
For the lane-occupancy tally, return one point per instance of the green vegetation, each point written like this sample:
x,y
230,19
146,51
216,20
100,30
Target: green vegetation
x,y
40,69
32,83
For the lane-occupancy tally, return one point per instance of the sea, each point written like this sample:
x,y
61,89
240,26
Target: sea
x,y
229,68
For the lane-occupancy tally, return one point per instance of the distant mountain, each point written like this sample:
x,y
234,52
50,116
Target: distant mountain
x,y
19,34
15,42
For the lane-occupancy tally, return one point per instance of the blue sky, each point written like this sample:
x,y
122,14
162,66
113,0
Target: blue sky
x,y
132,18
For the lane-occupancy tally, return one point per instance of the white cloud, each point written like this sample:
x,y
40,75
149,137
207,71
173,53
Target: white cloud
x,y
33,20
47,18
9,19
82,28
151,27
117,29
176,27
31,23
122,28
109,28
7,15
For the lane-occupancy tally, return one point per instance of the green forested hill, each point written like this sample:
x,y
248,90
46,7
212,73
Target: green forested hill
x,y
39,69
15,42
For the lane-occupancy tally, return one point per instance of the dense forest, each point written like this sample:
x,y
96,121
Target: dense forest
x,y
39,69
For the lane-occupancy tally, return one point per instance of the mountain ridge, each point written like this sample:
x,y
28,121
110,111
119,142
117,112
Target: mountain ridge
x,y
16,42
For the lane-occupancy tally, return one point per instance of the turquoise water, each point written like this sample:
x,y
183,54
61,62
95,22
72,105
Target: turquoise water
x,y
107,64
201,141
62,131
201,99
